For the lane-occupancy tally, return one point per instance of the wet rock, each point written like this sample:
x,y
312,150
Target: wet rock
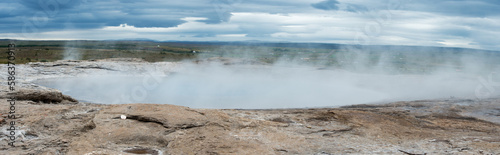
x,y
45,96
168,116
142,151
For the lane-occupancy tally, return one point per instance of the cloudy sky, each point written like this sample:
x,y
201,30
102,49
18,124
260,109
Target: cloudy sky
x,y
448,23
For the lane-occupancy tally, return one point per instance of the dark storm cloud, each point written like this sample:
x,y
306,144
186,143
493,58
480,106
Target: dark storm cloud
x,y
356,8
468,8
326,5
44,5
335,6
455,32
204,35
89,14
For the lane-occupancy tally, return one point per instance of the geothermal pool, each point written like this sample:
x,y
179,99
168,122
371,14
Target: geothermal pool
x,y
261,89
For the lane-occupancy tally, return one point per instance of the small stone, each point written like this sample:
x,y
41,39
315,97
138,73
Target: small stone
x,y
123,117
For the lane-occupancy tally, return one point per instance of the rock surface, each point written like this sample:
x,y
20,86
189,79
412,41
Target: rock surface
x,y
83,128
51,123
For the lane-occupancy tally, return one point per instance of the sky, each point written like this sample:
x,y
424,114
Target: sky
x,y
444,23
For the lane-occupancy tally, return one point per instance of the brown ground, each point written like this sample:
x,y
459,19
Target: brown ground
x,y
60,126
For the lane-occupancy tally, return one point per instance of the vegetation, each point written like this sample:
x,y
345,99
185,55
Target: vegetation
x,y
36,51
390,58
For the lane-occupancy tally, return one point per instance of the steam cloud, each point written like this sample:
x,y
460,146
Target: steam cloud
x,y
70,52
288,84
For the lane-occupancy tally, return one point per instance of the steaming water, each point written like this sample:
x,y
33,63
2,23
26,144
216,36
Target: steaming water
x,y
218,87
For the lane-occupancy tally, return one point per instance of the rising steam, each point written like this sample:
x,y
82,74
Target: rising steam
x,y
70,51
358,78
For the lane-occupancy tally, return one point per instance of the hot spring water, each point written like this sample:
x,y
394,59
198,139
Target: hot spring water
x,y
294,88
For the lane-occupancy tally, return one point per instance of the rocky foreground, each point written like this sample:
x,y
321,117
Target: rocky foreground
x,y
52,123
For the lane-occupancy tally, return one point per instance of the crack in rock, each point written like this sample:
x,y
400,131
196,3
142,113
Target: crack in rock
x,y
164,124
